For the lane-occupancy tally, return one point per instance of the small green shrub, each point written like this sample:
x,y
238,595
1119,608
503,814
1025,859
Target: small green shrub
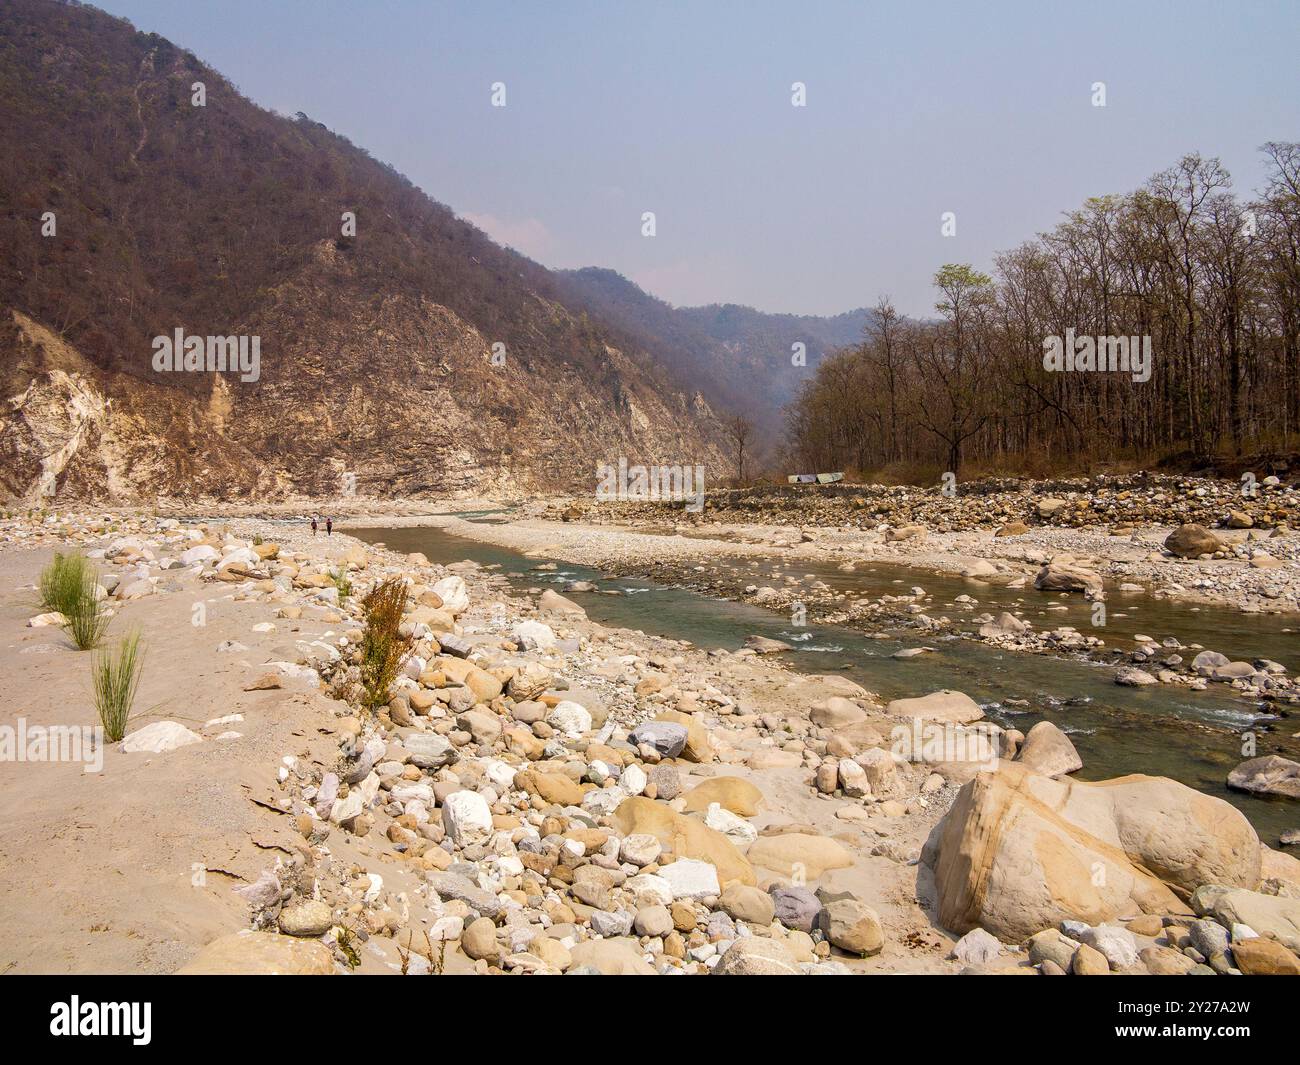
x,y
116,675
342,582
62,580
85,617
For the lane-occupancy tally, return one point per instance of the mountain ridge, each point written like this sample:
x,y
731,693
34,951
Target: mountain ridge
x,y
742,356
412,356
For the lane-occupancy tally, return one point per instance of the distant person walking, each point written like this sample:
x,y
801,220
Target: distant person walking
x,y
329,526
313,525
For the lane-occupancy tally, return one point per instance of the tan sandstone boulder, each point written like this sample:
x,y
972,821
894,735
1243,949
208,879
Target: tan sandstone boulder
x,y
1020,852
731,793
260,954
1048,750
799,854
685,837
937,706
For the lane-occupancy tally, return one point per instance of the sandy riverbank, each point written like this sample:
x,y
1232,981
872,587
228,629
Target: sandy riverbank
x,y
540,793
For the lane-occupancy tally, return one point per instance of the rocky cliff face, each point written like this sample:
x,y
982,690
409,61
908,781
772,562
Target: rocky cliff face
x,y
415,357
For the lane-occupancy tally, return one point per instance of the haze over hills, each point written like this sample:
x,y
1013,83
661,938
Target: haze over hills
x,y
740,355
130,212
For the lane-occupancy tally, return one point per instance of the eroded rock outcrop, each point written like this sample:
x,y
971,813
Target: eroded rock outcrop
x,y
1020,852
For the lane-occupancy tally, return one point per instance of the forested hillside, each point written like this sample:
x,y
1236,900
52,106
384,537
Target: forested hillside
x,y
1210,276
140,193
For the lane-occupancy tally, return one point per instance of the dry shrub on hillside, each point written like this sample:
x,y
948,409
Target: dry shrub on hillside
x,y
383,647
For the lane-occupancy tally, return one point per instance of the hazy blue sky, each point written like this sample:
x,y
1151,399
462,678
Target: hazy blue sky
x,y
684,109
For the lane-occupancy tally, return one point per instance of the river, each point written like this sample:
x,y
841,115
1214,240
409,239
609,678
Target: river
x,y
1193,737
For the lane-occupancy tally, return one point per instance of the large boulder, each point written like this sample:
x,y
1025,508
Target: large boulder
x,y
612,957
1207,662
937,706
453,593
157,737
1048,750
731,793
685,837
757,956
533,636
799,854
1068,577
1020,852
666,737
260,954
484,686
551,787
1007,624
1192,541
852,926
837,712
1270,774
466,817
764,645
1269,915
699,748
795,906
554,603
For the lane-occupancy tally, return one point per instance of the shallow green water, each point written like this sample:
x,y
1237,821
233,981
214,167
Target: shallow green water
x,y
1194,737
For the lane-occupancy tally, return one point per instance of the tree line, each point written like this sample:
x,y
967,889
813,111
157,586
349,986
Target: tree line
x,y
1212,279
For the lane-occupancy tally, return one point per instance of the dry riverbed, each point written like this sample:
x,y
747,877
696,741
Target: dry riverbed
x,y
545,794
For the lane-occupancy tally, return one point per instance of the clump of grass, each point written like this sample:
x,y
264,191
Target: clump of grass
x,y
116,675
383,647
342,581
73,587
62,581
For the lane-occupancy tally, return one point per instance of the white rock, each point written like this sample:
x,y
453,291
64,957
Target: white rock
x,y
533,636
691,879
445,929
159,736
453,593
41,621
976,947
201,553
633,780
1117,944
242,556
640,848
734,827
570,718
603,801
648,889
412,792
466,817
501,774
347,809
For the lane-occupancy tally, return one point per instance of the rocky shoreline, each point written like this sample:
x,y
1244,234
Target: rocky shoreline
x,y
711,558
543,794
